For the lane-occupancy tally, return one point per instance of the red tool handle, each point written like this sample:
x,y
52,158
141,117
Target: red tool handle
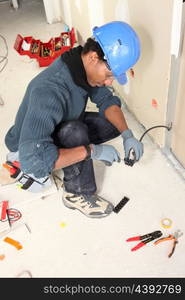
x,y
4,210
16,163
135,238
13,170
138,246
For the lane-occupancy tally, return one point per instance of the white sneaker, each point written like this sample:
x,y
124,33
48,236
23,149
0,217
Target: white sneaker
x,y
92,206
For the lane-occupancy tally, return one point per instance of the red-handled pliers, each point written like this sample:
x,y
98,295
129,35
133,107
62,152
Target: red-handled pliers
x,y
13,168
145,239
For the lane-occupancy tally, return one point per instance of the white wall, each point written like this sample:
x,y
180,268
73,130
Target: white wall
x,y
152,20
54,11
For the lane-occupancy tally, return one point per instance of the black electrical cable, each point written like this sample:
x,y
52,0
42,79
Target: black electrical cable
x,y
131,159
5,57
167,127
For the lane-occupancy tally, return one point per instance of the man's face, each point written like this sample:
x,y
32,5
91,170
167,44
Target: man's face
x,y
97,71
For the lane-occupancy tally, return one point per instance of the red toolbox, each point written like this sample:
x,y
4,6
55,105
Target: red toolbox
x,y
45,53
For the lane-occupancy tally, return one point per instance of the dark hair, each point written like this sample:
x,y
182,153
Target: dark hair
x,y
92,45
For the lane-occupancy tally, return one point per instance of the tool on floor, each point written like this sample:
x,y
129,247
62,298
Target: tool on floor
x,y
13,168
144,238
45,53
120,205
26,182
173,237
13,242
8,217
13,215
166,223
9,172
4,210
131,158
5,177
9,214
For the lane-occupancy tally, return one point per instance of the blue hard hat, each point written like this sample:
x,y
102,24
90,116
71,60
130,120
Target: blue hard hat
x,y
120,45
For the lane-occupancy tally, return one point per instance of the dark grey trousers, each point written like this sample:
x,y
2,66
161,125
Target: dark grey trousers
x,y
79,178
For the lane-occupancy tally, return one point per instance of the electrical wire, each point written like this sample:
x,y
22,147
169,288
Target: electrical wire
x,y
4,58
131,159
167,127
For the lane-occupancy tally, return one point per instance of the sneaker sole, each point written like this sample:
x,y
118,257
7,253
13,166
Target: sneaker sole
x,y
90,216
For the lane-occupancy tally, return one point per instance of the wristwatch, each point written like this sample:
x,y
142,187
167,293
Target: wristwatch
x,y
88,149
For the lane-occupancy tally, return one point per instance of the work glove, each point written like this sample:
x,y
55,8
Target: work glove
x,y
131,143
105,153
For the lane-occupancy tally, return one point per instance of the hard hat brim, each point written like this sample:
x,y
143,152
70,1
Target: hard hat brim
x,y
122,79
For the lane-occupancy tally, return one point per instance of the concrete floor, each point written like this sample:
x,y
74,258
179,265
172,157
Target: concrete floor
x,y
63,242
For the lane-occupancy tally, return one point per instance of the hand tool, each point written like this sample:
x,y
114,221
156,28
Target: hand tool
x,y
13,168
4,210
13,242
8,217
131,158
144,238
13,215
173,237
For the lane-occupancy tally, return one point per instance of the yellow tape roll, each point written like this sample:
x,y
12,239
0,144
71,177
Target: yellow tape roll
x,y
166,223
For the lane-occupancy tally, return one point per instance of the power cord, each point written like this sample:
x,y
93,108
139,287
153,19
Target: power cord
x,y
3,59
131,159
167,127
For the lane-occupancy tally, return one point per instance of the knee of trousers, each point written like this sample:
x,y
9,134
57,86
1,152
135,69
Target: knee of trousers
x,y
73,134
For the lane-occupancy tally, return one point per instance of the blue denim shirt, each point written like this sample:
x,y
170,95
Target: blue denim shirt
x,y
51,97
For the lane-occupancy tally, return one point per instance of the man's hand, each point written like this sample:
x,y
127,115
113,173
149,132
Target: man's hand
x,y
106,153
130,142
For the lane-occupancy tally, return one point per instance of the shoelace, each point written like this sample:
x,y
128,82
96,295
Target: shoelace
x,y
91,199
85,202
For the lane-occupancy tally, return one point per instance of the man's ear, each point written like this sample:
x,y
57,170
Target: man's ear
x,y
93,57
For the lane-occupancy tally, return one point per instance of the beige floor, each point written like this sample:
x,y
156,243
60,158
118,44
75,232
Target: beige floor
x,y
65,243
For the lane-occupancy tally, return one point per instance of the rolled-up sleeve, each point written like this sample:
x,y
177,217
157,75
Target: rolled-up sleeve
x,y
38,158
103,98
37,152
